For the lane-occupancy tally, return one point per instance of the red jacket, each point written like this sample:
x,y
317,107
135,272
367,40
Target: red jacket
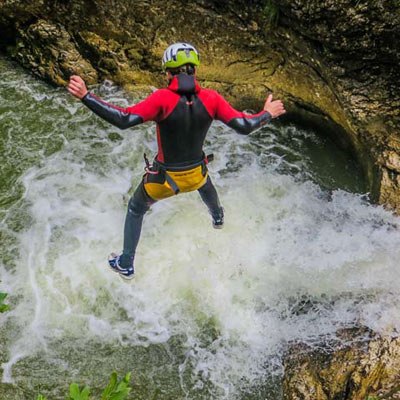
x,y
183,112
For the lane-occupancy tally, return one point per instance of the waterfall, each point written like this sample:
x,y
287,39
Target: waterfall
x,y
209,312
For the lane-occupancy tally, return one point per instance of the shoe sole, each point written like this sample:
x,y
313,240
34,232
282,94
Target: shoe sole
x,y
218,226
124,277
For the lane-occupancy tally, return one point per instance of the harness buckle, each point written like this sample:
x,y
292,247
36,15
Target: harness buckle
x,y
208,158
149,167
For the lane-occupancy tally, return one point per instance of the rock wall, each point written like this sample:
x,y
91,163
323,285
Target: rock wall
x,y
358,43
366,366
334,62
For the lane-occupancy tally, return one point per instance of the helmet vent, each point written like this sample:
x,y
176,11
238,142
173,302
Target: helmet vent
x,y
179,54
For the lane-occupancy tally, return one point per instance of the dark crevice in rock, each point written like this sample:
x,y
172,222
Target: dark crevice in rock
x,y
307,116
346,392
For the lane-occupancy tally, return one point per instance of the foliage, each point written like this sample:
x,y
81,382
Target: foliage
x,y
3,307
115,390
271,12
76,394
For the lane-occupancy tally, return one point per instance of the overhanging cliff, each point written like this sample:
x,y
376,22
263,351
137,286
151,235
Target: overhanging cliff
x,y
335,63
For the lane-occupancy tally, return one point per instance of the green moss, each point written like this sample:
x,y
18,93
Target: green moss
x,y
271,12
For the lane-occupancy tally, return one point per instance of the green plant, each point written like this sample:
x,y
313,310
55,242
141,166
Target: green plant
x,y
76,394
117,390
3,307
271,12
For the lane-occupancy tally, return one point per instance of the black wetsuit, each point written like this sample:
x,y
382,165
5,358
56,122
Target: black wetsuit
x,y
183,112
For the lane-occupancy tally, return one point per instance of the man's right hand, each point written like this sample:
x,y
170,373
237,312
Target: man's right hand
x,y
77,87
274,107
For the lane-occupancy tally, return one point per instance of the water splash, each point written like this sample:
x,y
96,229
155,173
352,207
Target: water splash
x,y
294,262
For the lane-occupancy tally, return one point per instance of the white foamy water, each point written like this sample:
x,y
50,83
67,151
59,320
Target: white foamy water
x,y
232,297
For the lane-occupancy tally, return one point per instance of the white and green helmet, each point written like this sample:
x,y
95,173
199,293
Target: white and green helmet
x,y
179,54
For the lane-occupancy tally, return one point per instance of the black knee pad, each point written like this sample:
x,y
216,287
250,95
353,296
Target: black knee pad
x,y
136,207
140,202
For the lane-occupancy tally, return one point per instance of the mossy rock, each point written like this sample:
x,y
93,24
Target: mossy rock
x,y
361,364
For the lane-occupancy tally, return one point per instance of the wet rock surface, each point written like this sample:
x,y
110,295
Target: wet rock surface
x,y
358,43
335,63
49,51
363,366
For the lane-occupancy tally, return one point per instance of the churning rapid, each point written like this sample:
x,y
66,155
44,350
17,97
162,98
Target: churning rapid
x,y
209,313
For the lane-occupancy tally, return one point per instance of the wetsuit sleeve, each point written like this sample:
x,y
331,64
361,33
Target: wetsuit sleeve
x,y
239,121
123,118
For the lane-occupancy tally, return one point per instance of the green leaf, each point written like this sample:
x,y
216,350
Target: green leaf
x,y
85,393
120,395
73,390
4,307
110,387
127,378
117,390
40,397
76,394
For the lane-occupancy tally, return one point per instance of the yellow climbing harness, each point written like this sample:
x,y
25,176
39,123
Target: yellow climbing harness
x,y
163,180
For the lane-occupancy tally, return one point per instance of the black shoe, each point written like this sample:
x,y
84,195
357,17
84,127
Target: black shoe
x,y
113,263
218,219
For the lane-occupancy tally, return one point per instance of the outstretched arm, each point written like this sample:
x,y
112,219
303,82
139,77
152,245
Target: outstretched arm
x,y
122,118
246,123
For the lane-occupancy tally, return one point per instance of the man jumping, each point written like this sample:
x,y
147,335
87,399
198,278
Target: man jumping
x,y
183,113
